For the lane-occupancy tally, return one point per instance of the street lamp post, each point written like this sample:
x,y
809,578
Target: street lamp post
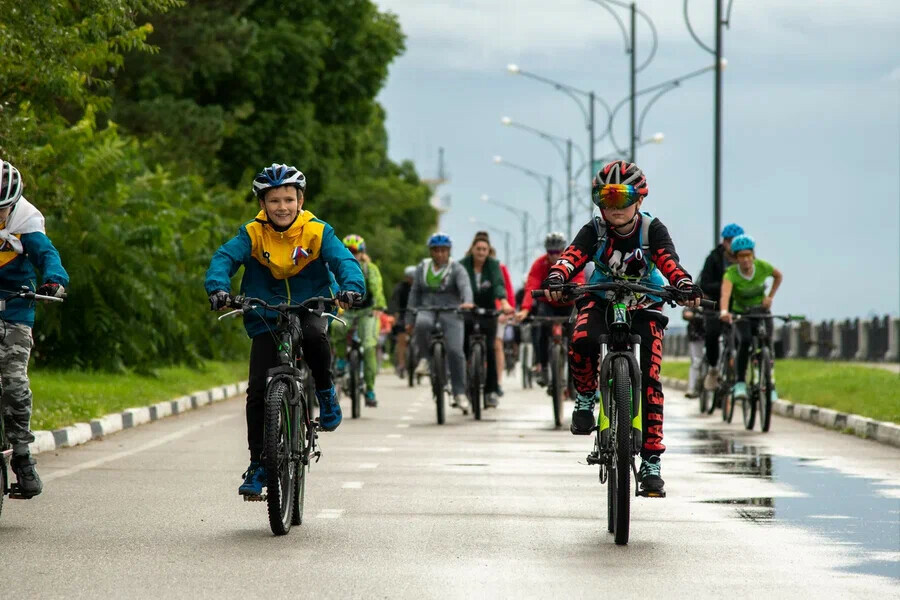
x,y
539,177
523,217
566,155
717,112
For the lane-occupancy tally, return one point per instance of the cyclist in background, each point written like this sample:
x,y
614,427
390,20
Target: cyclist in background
x,y
366,318
696,334
488,288
623,242
710,282
288,255
503,322
744,286
442,282
397,308
24,245
554,244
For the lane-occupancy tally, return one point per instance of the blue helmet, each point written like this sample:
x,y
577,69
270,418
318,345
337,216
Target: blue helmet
x,y
440,240
732,230
742,242
277,176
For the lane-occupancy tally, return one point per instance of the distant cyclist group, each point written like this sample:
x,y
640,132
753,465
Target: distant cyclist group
x,y
290,257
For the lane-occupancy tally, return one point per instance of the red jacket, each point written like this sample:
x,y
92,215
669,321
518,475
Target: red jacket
x,y
507,280
536,275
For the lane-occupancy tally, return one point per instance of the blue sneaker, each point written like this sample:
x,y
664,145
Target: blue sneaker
x,y
254,480
340,366
370,398
329,409
739,391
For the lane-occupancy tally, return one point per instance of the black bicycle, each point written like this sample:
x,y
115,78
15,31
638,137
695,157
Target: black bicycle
x,y
351,378
476,365
618,431
760,379
722,396
6,488
559,384
526,348
437,360
290,433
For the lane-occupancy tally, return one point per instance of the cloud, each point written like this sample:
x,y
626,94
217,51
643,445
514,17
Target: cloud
x,y
893,75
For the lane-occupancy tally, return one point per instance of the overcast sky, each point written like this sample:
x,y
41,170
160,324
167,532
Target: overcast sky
x,y
811,157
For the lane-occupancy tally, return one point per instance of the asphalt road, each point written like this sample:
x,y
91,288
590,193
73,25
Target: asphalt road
x,y
402,508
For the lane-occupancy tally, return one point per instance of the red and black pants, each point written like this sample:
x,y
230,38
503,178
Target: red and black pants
x,y
584,354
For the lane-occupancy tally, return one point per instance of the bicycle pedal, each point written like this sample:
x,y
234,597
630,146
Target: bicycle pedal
x,y
646,494
594,459
253,498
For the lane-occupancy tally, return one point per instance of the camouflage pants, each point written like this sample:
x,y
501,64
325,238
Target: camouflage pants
x,y
15,401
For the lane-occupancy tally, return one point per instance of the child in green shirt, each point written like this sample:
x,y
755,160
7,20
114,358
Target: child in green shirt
x,y
744,284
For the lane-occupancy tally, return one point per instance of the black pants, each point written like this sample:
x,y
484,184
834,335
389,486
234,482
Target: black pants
x,y
264,356
540,332
713,329
745,329
584,353
489,329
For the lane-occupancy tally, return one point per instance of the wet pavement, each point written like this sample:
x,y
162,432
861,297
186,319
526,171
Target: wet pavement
x,y
848,510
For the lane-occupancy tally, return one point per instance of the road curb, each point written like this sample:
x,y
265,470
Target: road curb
x,y
80,433
864,427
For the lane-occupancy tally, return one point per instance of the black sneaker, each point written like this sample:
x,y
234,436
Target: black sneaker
x,y
541,377
490,400
26,475
583,415
651,482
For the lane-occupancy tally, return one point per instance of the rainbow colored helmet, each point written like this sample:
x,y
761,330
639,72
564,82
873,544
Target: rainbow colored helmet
x,y
732,230
742,242
354,243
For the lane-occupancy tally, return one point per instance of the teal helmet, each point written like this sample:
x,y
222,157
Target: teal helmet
x,y
742,242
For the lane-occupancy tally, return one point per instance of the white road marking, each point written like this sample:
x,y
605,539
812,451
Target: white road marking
x,y
368,466
381,449
394,436
406,418
330,513
352,485
402,425
126,453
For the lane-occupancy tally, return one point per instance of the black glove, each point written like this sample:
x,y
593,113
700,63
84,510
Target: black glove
x,y
51,289
554,279
219,299
350,298
690,291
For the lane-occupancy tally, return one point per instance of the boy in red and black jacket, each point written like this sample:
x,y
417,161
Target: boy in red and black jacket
x,y
623,243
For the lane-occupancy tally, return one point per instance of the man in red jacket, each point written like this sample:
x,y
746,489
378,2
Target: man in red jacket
x,y
554,243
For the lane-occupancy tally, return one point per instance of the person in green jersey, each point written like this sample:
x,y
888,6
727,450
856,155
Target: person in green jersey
x,y
367,318
744,284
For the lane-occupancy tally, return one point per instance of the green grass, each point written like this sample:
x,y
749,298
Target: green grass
x,y
62,398
849,388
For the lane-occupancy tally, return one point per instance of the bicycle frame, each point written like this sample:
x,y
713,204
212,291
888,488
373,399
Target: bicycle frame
x,y
620,342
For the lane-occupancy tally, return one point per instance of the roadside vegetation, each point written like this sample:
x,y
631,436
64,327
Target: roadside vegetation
x,y
867,391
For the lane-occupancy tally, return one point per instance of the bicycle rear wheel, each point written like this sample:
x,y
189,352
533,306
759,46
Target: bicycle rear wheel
x,y
766,390
280,470
726,387
300,475
700,390
476,379
622,398
355,392
557,383
438,373
750,402
526,366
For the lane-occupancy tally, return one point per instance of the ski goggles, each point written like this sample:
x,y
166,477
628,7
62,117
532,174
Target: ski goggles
x,y
615,195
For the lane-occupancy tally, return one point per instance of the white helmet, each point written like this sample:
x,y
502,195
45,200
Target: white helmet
x,y
10,184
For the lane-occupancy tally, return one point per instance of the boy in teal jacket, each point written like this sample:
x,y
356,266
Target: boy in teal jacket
x,y
288,256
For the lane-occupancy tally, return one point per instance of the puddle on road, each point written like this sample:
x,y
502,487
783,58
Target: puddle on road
x,y
849,510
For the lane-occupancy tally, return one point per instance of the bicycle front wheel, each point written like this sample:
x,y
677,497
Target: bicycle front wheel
x,y
355,392
557,383
526,366
410,364
280,469
438,373
750,401
766,390
303,434
476,379
622,397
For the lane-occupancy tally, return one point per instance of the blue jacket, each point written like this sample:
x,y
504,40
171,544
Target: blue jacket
x,y
17,270
291,266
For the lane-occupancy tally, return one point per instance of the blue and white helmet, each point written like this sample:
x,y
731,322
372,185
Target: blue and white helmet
x,y
440,240
10,184
742,242
276,176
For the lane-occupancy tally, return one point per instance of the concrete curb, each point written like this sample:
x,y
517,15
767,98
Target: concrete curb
x,y
864,427
80,433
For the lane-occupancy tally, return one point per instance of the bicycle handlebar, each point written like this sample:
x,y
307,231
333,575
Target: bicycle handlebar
x,y
785,318
27,294
244,304
667,293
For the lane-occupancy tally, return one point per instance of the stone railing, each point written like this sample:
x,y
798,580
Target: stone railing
x,y
875,340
